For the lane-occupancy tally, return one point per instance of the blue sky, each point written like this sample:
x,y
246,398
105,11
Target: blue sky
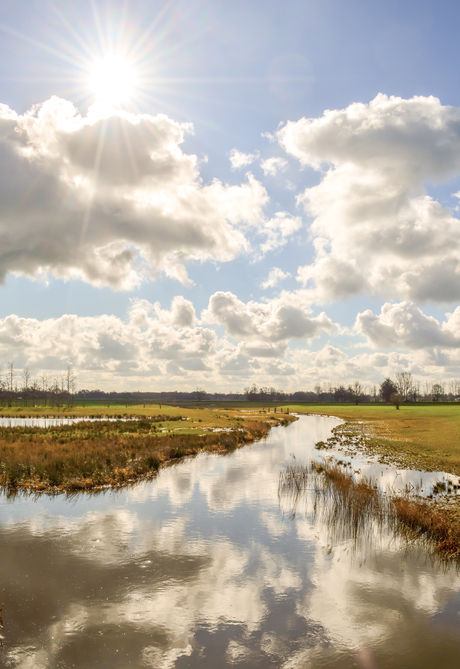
x,y
218,194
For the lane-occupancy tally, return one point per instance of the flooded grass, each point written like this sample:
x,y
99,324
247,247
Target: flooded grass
x,y
415,437
357,509
87,455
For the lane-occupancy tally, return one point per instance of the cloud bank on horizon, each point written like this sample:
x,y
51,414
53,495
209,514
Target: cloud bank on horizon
x,y
113,200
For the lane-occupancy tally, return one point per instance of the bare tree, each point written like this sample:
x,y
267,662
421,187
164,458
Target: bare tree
x,y
10,376
25,378
404,383
426,390
357,391
437,391
415,391
454,389
44,381
70,380
200,393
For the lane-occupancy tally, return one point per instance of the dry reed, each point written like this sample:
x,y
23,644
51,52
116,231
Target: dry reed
x,y
87,455
358,507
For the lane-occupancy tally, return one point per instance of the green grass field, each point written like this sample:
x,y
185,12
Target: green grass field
x,y
419,436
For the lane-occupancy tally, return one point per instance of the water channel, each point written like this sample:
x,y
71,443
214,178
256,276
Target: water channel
x,y
206,567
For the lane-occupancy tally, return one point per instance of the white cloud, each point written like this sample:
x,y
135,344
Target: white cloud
x,y
112,199
274,276
375,228
276,321
405,326
277,230
268,135
138,346
272,166
238,159
328,357
155,346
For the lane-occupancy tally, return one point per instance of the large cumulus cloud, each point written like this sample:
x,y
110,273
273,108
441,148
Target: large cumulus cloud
x,y
375,228
160,348
111,198
138,346
265,328
404,325
159,345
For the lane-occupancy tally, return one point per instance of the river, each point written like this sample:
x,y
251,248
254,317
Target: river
x,y
206,567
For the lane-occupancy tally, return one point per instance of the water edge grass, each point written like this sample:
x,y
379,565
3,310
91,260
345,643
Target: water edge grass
x,y
353,508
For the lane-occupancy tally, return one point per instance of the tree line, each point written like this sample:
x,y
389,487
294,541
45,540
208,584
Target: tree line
x,y
403,388
22,385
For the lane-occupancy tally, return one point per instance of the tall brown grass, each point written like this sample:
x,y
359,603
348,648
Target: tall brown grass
x,y
88,454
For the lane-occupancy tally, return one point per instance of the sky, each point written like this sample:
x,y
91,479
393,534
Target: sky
x,y
216,194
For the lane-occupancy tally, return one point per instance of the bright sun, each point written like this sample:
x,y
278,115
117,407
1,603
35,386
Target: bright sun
x,y
113,80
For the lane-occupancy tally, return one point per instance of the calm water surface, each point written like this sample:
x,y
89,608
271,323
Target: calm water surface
x,y
204,567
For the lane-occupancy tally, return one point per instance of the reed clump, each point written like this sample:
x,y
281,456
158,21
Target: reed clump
x,y
88,455
355,508
426,520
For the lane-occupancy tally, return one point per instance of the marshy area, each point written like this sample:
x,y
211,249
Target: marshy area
x,y
211,563
423,436
114,449
403,465
359,508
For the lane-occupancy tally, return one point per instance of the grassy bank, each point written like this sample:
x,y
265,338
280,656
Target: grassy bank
x,y
425,437
88,455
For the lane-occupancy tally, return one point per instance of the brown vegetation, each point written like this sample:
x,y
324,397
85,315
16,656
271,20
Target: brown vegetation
x,y
86,455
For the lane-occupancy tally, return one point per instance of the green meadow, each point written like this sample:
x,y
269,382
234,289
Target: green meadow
x,y
418,436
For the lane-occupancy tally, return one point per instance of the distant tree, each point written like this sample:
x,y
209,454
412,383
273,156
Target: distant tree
x,y
404,383
396,399
251,392
70,380
357,391
341,394
200,394
26,378
415,391
10,377
387,389
437,392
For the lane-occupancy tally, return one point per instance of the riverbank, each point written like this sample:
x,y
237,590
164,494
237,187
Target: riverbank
x,y
425,437
91,455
